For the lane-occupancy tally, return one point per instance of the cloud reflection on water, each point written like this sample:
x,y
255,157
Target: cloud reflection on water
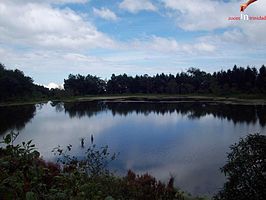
x,y
189,141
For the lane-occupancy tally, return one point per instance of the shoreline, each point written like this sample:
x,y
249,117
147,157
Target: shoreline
x,y
149,98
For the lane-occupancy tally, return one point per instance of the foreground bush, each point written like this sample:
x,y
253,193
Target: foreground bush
x,y
24,175
246,170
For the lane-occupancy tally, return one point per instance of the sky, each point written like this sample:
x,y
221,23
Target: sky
x,y
49,39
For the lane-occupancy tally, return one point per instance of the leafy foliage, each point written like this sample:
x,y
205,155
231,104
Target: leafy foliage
x,y
236,80
246,170
15,85
81,85
94,163
24,175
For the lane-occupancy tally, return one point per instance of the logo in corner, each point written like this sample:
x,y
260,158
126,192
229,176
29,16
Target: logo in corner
x,y
244,6
246,17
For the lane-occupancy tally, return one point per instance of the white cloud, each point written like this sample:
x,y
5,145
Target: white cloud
x,y
209,15
48,41
49,1
105,14
81,58
64,1
54,86
170,45
134,6
202,15
43,25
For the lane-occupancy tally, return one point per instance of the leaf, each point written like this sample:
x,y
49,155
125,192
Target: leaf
x,y
109,198
4,163
28,143
30,196
7,139
36,154
60,195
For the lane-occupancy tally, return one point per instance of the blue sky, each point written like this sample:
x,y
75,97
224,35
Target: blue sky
x,y
49,39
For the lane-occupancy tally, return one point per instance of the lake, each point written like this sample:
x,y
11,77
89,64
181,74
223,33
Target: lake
x,y
188,140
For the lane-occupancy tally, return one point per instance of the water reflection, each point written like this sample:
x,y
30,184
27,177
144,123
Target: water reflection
x,y
15,117
81,109
188,140
194,110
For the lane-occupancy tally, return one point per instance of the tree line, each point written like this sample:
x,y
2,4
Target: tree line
x,y
14,85
236,80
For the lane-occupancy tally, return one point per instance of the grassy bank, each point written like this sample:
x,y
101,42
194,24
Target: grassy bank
x,y
247,99
175,98
27,101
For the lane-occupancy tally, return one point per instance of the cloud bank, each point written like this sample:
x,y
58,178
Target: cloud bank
x,y
50,39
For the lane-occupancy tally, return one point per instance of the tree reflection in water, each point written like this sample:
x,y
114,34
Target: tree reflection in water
x,y
249,114
15,117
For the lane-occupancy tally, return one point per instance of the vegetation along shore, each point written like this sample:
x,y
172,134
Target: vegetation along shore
x,y
237,85
25,175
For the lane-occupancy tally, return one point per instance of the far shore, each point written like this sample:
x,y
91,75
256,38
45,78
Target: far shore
x,y
241,100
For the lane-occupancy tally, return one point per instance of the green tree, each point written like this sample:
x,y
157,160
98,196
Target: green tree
x,y
261,80
14,85
245,170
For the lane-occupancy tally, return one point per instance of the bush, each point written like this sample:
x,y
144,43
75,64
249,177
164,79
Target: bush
x,y
245,170
24,175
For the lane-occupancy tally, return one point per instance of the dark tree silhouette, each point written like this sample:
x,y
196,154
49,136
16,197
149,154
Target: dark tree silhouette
x,y
238,80
81,85
246,170
14,85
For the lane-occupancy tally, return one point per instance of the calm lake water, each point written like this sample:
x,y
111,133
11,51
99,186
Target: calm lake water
x,y
188,139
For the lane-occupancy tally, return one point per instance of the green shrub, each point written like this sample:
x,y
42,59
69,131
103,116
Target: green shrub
x,y
245,170
24,175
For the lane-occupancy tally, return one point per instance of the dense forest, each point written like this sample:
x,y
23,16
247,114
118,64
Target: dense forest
x,y
236,80
14,85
